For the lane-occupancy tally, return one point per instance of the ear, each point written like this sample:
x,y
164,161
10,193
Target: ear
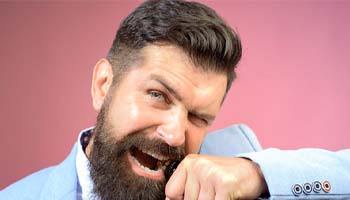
x,y
101,82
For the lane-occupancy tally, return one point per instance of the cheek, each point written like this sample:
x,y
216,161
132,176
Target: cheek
x,y
194,140
130,115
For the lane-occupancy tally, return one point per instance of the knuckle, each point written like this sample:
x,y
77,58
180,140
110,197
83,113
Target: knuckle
x,y
200,162
203,165
191,156
227,181
189,159
203,161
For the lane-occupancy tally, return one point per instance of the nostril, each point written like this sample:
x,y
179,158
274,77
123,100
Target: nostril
x,y
162,132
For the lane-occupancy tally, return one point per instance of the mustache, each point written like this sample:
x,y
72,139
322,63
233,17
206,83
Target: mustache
x,y
151,145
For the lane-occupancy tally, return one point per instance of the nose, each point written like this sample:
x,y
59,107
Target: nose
x,y
173,130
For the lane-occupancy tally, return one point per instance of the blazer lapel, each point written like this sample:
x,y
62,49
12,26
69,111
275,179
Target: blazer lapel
x,y
63,181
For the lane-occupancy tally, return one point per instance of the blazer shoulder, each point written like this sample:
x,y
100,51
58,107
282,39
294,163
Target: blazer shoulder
x,y
231,141
29,187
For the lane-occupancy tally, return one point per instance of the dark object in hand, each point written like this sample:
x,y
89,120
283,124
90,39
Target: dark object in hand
x,y
169,170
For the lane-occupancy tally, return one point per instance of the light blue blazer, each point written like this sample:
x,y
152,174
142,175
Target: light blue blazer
x,y
284,171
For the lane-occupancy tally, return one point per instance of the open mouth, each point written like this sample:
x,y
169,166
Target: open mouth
x,y
148,164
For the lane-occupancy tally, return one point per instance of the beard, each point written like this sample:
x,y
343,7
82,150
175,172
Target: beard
x,y
110,168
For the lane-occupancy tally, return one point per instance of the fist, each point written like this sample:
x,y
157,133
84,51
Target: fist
x,y
220,178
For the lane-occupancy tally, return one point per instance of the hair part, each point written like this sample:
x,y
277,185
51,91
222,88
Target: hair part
x,y
195,28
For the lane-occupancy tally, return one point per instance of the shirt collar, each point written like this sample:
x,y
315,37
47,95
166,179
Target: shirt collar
x,y
82,165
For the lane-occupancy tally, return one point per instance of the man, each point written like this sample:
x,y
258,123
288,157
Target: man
x,y
160,87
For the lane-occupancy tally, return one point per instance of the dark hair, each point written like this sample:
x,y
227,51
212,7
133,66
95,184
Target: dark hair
x,y
194,27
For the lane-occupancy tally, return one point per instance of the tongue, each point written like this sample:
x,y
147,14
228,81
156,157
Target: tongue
x,y
145,159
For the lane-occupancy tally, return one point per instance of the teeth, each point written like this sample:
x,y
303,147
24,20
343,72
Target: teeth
x,y
158,157
143,167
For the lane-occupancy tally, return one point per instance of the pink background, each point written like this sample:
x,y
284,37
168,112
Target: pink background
x,y
293,87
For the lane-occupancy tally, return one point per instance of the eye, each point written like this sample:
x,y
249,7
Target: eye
x,y
157,95
200,122
203,121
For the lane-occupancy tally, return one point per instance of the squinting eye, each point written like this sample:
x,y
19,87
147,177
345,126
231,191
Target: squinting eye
x,y
157,95
203,122
198,121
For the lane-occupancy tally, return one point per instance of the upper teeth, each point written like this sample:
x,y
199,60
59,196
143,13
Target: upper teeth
x,y
158,157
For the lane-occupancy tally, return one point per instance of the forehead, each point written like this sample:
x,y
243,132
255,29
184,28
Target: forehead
x,y
172,65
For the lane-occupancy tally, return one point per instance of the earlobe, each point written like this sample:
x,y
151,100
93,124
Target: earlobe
x,y
102,79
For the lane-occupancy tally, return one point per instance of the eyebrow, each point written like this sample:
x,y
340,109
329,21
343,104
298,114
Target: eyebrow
x,y
174,92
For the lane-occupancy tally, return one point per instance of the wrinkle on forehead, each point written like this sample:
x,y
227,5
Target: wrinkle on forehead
x,y
206,97
207,88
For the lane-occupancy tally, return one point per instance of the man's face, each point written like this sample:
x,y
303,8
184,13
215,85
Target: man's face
x,y
159,111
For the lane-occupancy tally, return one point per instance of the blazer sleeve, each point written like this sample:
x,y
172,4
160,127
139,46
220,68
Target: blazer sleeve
x,y
304,173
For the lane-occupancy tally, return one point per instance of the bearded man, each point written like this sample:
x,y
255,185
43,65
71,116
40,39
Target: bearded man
x,y
159,89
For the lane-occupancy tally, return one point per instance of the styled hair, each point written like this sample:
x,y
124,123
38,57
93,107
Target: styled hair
x,y
194,27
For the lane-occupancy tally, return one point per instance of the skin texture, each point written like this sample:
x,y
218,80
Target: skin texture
x,y
167,97
208,177
140,105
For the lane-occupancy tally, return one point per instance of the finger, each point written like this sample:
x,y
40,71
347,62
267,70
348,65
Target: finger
x,y
192,187
206,192
221,194
175,187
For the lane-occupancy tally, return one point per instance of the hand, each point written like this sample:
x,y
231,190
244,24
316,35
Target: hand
x,y
220,178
